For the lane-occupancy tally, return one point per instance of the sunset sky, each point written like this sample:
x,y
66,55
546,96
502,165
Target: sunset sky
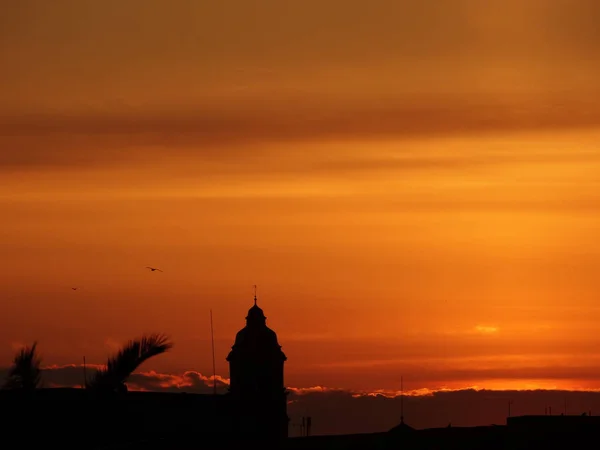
x,y
414,185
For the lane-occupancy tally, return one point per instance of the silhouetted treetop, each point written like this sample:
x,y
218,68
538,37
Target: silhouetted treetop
x,y
120,366
25,372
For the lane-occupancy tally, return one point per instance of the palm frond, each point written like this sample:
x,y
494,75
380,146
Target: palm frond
x,y
120,366
25,372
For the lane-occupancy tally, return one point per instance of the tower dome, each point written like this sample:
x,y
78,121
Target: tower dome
x,y
255,316
256,337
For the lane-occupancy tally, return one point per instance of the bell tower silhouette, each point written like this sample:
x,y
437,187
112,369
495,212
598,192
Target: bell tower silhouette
x,y
256,379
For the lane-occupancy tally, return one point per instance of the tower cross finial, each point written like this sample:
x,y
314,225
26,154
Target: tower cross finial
x,y
255,295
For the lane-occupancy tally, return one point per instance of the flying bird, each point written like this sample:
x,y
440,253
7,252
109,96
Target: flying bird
x,y
153,269
74,288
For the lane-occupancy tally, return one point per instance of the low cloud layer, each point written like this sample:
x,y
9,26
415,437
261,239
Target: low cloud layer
x,y
72,375
339,411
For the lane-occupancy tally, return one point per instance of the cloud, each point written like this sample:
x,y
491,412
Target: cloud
x,y
517,370
486,329
70,375
338,410
190,381
209,129
109,166
190,53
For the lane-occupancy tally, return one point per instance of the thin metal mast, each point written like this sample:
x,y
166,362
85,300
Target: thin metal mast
x,y
401,399
84,374
212,339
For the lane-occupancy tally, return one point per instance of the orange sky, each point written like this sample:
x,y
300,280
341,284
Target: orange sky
x,y
413,186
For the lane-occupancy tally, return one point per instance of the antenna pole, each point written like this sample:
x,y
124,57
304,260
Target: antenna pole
x,y
84,374
401,399
255,294
212,340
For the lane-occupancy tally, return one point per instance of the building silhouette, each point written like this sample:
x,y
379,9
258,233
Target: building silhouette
x,y
254,410
256,367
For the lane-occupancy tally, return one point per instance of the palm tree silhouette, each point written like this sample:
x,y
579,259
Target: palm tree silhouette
x,y
120,366
25,372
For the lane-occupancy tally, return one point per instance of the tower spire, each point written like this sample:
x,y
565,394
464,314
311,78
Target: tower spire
x,y
254,295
